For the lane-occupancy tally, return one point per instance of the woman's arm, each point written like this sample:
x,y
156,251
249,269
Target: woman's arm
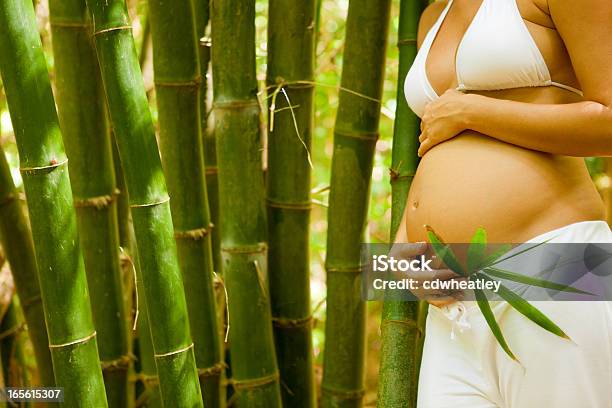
x,y
576,129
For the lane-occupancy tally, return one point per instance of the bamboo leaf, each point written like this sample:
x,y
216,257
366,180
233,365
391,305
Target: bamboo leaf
x,y
520,252
527,309
495,255
528,280
444,252
485,308
476,250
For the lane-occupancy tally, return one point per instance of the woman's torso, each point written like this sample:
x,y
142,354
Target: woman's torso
x,y
476,181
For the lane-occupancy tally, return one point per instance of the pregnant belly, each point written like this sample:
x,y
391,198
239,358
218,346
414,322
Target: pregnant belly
x,y
475,181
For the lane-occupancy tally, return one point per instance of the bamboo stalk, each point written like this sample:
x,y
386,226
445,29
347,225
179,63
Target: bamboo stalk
x,y
18,247
355,135
291,59
8,345
14,364
148,375
400,333
241,201
177,84
43,162
202,14
133,126
129,264
82,117
202,18
318,7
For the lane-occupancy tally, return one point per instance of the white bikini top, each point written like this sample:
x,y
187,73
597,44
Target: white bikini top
x,y
496,52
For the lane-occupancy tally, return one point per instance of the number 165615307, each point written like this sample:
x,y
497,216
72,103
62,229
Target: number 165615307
x,y
42,394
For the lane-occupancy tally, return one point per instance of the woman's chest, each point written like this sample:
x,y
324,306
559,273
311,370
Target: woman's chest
x,y
496,42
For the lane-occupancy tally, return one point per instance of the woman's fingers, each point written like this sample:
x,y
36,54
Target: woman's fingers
x,y
406,251
443,298
422,136
425,146
445,274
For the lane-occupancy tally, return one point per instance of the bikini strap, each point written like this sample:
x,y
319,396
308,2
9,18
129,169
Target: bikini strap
x,y
567,87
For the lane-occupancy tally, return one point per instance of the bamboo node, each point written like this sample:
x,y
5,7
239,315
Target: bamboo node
x,y
53,164
406,41
173,353
395,177
118,364
283,83
211,170
99,202
285,323
9,198
246,249
303,205
147,380
254,382
26,303
194,83
342,394
74,342
236,104
369,136
13,330
212,371
69,24
153,204
345,269
110,29
194,234
406,323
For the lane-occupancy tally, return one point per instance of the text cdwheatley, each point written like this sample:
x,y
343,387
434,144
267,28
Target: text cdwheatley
x,y
450,285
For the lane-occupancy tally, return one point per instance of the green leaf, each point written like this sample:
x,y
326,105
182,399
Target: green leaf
x,y
527,309
485,308
495,255
528,280
521,252
476,250
444,251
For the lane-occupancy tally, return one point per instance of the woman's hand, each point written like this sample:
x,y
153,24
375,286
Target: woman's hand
x,y
436,298
443,119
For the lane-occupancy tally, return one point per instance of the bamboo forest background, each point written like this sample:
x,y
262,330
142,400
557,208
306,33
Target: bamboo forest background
x,y
16,349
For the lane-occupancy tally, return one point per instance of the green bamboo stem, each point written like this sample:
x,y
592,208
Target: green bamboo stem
x,y
290,60
202,18
318,7
18,247
355,136
241,201
146,38
202,14
148,374
13,356
133,126
401,338
82,117
177,85
8,344
129,264
43,162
